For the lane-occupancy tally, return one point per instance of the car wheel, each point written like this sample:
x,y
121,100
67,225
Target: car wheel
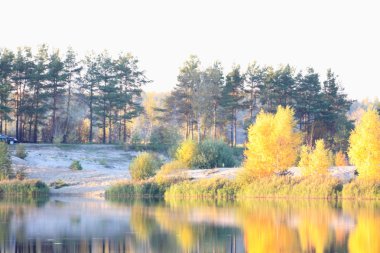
x,y
11,142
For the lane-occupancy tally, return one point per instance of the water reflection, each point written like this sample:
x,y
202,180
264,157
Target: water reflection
x,y
91,225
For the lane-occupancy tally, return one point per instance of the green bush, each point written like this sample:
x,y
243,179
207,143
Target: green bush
x,y
23,188
213,154
131,189
144,166
75,165
163,138
206,188
362,189
21,152
285,186
6,171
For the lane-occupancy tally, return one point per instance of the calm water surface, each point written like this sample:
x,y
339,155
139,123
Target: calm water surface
x,y
89,225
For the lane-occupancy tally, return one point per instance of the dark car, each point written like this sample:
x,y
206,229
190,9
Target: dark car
x,y
8,139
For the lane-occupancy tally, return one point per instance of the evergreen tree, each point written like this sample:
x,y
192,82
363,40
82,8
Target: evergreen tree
x,y
72,70
89,87
6,68
308,101
253,85
232,96
56,82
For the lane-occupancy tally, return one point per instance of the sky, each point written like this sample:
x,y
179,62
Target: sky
x,y
339,34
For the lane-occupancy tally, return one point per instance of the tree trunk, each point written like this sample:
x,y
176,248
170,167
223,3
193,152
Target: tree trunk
x,y
125,125
91,120
110,129
214,119
67,113
52,133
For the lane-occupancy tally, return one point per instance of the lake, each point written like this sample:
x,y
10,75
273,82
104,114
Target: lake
x,y
74,224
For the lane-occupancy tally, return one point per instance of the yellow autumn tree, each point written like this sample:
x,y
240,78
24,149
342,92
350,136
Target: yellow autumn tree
x,y
272,143
364,149
340,159
315,161
186,151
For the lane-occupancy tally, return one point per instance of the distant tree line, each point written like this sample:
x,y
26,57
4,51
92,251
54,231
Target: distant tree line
x,y
41,94
205,103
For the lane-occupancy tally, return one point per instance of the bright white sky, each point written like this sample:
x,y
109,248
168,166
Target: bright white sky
x,y
341,34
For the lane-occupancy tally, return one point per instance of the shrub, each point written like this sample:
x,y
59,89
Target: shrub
x,y
285,186
21,152
75,165
272,143
364,149
365,188
186,152
203,189
23,188
130,189
6,171
315,161
340,159
213,154
171,171
144,166
163,138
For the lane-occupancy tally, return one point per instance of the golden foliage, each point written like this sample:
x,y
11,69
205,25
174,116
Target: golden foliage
x,y
365,237
186,152
315,161
364,150
272,143
340,159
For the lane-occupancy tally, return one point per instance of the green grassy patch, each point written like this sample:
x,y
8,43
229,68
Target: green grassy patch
x,y
25,188
290,187
129,189
206,188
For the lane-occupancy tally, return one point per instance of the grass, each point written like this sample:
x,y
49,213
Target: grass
x,y
362,189
325,187
128,189
25,188
217,188
321,187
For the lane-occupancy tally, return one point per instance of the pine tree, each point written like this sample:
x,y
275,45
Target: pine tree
x,y
232,96
56,82
72,70
6,68
89,88
253,85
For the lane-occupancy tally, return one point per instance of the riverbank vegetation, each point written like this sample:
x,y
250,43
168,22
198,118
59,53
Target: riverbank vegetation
x,y
13,183
23,188
272,140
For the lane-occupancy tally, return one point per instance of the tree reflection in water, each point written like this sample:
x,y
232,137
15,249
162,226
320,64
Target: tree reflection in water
x,y
88,225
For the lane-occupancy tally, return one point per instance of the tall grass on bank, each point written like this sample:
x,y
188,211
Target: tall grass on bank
x,y
130,189
217,188
325,187
322,187
362,189
24,188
